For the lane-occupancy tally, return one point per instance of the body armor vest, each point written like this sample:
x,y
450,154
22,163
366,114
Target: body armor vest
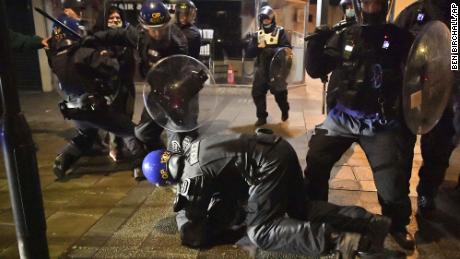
x,y
370,71
271,38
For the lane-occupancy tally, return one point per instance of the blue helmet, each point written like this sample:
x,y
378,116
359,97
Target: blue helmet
x,y
155,167
154,14
62,37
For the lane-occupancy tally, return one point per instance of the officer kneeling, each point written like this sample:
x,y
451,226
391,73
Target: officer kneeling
x,y
215,175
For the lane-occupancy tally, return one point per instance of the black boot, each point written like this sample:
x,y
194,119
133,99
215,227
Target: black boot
x,y
260,122
65,160
403,238
138,175
285,115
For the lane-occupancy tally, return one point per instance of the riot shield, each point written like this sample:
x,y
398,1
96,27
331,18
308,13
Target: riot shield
x,y
428,79
280,67
180,93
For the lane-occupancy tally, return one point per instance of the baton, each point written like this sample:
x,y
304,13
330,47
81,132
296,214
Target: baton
x,y
74,33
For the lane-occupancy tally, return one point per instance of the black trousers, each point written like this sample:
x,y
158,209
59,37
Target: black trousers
x,y
436,146
389,155
124,104
259,95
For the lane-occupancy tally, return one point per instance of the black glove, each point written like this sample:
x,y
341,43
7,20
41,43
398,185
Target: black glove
x,y
323,32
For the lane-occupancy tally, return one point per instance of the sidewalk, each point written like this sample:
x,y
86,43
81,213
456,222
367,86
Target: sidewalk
x,y
102,212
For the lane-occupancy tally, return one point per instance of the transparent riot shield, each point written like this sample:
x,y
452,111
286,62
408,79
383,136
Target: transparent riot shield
x,y
180,93
280,68
428,79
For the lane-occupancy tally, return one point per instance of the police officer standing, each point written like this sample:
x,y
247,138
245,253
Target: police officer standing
x,y
438,144
114,18
185,14
263,45
155,38
367,60
262,170
86,79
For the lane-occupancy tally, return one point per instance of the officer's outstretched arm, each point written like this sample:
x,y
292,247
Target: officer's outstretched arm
x,y
128,37
318,63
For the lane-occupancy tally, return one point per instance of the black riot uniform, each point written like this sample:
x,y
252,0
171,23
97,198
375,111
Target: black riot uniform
x,y
124,101
367,61
86,80
150,52
263,170
438,144
274,37
192,33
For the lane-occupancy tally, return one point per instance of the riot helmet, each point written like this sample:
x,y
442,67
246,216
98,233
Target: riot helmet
x,y
185,12
62,38
74,8
154,17
162,167
374,11
267,18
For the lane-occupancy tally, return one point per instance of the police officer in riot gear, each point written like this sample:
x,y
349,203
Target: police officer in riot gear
x,y
263,45
215,173
155,38
367,60
114,18
86,81
438,144
185,14
74,8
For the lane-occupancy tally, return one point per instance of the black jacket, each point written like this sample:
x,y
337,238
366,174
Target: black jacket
x,y
83,70
193,36
149,51
367,63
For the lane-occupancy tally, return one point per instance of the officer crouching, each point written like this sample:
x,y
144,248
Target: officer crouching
x,y
218,174
367,61
87,84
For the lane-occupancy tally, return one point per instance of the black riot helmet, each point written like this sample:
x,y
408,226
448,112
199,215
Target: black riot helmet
x,y
185,12
267,13
62,38
374,11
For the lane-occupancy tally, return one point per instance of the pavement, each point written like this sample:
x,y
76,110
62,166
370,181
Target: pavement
x,y
101,212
